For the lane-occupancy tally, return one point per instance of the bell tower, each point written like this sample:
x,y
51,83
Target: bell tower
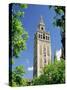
x,y
42,48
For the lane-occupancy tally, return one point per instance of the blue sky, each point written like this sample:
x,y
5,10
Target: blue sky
x,y
30,21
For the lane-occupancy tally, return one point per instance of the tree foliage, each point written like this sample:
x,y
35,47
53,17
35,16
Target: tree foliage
x,y
52,74
18,33
17,75
18,38
59,21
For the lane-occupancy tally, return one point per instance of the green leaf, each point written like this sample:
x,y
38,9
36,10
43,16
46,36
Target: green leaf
x,y
23,5
19,13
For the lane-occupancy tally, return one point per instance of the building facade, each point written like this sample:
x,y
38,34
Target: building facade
x,y
42,49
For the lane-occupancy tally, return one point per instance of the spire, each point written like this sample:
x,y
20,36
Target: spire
x,y
41,20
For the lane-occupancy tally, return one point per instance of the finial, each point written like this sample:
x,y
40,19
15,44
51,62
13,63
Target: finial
x,y
41,20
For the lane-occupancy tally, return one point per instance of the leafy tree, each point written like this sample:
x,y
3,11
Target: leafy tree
x,y
59,21
52,74
18,33
17,42
25,82
17,75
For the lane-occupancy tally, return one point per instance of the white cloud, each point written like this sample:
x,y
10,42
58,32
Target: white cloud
x,y
30,68
58,54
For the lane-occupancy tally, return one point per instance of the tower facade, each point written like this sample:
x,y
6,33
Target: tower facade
x,y
42,49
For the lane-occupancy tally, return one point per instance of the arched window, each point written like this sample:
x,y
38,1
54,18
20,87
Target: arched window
x,y
44,53
41,28
43,36
39,35
46,37
48,53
